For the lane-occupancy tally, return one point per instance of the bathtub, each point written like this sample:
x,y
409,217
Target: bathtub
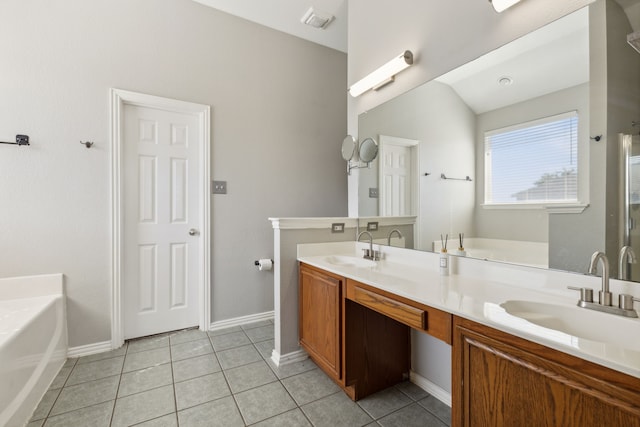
x,y
532,254
33,343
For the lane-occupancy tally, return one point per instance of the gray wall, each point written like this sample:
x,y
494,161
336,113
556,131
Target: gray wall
x,y
278,117
445,126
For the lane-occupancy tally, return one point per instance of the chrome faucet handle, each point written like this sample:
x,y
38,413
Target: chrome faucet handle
x,y
625,301
586,294
366,254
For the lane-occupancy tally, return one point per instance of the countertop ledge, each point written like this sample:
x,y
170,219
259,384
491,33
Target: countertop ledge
x,y
475,290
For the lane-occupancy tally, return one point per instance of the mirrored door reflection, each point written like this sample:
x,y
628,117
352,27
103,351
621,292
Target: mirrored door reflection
x,y
631,147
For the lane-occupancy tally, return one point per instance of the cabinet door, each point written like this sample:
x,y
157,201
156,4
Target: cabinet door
x,y
502,380
320,318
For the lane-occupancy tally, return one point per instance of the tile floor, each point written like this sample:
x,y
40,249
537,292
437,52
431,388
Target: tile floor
x,y
221,378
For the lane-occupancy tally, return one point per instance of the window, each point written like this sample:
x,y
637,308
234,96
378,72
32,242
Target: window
x,y
533,163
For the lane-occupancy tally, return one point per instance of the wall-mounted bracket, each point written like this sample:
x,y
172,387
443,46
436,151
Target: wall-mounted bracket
x,y
20,140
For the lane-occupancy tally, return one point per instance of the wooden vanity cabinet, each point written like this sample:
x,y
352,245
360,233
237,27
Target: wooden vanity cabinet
x,y
320,318
361,350
503,380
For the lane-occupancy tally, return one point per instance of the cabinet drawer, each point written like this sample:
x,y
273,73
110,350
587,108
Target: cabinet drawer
x,y
411,316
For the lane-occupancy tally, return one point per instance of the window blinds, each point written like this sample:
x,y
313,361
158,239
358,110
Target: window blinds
x,y
533,162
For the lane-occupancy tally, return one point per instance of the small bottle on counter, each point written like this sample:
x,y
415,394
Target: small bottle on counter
x,y
461,251
444,262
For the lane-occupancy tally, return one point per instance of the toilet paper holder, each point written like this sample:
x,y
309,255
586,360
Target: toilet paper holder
x,y
264,264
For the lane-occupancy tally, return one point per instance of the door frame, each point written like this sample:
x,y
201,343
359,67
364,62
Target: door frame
x,y
119,98
414,146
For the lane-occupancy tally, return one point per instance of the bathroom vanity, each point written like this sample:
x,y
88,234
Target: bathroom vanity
x,y
359,335
506,370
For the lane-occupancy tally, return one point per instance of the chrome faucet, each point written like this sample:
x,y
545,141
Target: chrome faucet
x,y
625,302
604,294
395,230
627,255
369,253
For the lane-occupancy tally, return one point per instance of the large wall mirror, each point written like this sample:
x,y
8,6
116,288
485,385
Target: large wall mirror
x,y
452,151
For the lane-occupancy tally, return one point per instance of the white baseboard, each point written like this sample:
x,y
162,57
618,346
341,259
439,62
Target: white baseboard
x,y
434,390
86,350
285,359
222,324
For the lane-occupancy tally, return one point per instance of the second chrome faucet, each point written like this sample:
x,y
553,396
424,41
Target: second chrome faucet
x,y
625,305
604,294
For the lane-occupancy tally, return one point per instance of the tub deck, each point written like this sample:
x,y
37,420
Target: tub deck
x,y
33,343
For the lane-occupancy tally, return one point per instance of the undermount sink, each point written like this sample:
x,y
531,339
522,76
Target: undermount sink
x,y
579,322
351,261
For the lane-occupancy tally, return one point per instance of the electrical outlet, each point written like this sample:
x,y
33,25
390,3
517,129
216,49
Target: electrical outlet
x,y
337,227
219,187
373,193
372,226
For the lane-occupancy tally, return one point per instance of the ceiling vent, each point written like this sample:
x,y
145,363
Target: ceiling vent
x,y
317,19
634,40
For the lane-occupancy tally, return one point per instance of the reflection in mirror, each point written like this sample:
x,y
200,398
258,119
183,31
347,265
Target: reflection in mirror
x,y
367,153
368,150
551,71
348,147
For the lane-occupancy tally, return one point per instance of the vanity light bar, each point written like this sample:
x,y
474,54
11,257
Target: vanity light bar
x,y
382,75
501,5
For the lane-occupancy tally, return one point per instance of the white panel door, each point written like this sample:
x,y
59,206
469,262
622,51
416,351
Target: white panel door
x,y
395,180
161,259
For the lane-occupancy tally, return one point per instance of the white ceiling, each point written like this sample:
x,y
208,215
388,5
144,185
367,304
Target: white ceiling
x,y
550,59
537,63
285,15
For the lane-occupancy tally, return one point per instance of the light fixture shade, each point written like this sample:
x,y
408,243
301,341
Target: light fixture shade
x,y
382,74
501,5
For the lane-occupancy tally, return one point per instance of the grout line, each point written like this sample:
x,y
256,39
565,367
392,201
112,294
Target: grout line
x,y
298,407
44,420
226,380
173,385
115,399
46,417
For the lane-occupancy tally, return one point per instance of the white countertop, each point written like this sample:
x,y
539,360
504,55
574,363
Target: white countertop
x,y
475,290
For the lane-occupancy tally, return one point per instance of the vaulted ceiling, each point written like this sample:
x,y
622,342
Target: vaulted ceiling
x,y
285,16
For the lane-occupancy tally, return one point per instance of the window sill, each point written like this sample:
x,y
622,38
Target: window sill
x,y
552,208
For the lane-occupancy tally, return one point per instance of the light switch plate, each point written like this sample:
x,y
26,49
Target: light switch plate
x,y
219,187
372,226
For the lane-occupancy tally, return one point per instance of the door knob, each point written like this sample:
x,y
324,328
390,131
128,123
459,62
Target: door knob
x,y
193,232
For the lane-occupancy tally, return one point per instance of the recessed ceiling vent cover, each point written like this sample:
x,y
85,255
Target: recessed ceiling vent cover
x,y
634,40
317,19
